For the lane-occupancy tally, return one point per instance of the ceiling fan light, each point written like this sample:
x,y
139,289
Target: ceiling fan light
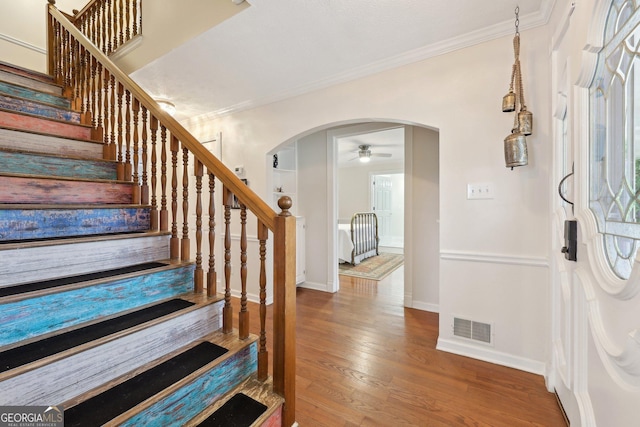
x,y
167,106
364,155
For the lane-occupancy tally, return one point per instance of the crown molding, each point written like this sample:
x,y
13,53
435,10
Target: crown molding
x,y
506,28
22,43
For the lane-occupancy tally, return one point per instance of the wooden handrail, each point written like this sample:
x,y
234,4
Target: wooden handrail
x,y
77,62
246,196
84,10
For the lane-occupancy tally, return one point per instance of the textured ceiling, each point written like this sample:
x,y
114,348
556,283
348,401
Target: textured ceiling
x,y
276,49
387,141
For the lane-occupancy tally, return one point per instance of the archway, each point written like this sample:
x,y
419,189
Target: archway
x,y
317,201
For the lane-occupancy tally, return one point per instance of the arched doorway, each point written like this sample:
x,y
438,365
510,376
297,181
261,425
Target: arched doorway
x,y
317,202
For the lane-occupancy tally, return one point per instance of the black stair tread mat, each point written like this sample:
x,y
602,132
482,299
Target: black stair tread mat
x,y
28,353
54,283
239,411
113,402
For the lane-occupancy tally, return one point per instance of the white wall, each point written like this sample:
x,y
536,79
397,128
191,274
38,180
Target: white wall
x,y
354,193
23,35
495,252
313,200
396,226
423,237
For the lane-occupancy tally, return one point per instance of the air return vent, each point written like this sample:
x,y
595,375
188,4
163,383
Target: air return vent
x,y
476,331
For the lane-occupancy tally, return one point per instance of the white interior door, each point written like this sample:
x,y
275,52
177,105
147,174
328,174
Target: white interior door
x,y
381,204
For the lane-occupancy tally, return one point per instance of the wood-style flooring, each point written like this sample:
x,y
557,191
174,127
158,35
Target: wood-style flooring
x,y
365,360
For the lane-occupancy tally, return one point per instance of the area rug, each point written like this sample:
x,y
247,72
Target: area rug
x,y
374,268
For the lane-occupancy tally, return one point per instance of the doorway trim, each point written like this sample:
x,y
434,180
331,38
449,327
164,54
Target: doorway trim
x,y
333,283
372,190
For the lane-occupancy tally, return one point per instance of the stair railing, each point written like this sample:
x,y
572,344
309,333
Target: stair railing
x,y
109,24
156,154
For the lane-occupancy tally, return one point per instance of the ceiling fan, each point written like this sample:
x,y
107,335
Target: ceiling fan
x,y
365,154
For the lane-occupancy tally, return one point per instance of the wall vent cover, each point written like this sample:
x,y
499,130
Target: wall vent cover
x,y
469,329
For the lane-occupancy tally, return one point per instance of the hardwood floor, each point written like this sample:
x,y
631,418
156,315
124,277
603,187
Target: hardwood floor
x,y
365,360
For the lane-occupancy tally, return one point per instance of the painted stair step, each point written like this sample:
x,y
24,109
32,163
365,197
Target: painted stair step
x,y
113,402
27,262
46,223
47,190
260,391
74,375
28,353
20,121
34,95
239,411
15,162
49,144
65,281
38,109
179,406
22,71
24,319
28,81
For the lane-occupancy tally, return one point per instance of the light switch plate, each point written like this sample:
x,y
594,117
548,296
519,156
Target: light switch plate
x,y
480,191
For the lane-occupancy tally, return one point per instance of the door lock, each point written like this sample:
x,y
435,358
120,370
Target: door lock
x,y
570,239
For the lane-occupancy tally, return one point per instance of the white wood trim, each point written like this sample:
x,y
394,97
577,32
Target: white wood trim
x,y
333,283
252,239
408,216
424,306
252,297
485,257
490,355
316,286
127,48
22,43
562,29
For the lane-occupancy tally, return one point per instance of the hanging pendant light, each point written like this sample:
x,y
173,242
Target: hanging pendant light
x,y
515,144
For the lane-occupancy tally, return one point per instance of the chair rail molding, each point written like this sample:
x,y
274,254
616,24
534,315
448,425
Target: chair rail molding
x,y
491,258
22,43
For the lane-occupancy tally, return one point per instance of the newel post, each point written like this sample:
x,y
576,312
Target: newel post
x,y
284,309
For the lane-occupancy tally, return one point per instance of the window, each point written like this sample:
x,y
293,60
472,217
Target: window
x,y
615,137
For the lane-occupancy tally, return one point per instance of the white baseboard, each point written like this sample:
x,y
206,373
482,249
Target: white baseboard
x,y
251,297
316,286
425,306
492,356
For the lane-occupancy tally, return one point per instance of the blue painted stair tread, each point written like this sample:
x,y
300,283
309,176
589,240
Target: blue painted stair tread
x,y
35,164
29,224
64,281
104,407
22,355
38,109
239,411
181,406
25,319
34,95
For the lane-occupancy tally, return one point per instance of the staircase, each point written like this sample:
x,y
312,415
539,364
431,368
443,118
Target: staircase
x,y
98,318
